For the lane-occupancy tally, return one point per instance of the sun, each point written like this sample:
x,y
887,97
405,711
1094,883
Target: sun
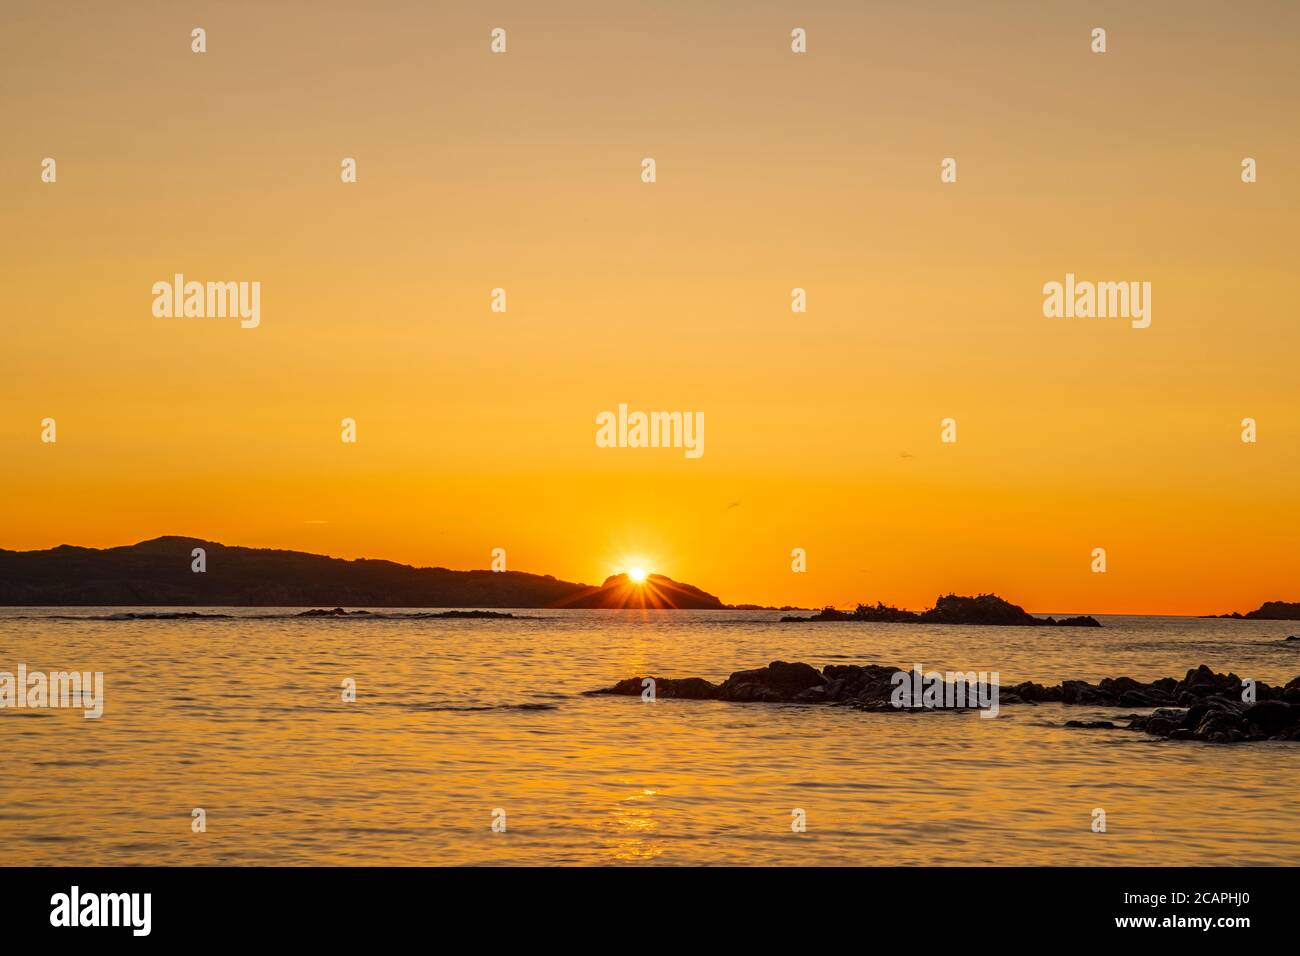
x,y
636,566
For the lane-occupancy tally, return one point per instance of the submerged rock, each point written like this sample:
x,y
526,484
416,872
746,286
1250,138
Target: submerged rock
x,y
455,615
686,688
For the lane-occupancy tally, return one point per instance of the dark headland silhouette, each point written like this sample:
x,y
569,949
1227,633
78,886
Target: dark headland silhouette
x,y
1268,611
158,573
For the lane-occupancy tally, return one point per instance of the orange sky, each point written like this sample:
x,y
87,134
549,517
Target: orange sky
x,y
476,430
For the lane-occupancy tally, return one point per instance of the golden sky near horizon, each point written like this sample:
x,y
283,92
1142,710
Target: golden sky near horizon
x,y
774,170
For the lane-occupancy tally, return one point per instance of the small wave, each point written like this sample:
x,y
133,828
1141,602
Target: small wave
x,y
484,707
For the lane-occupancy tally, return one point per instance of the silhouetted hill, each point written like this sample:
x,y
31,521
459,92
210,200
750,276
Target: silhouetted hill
x,y
158,573
657,591
1268,611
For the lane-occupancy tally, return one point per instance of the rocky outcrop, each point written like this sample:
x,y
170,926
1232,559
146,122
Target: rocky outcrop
x,y
1268,611
985,609
1225,721
868,687
778,681
1202,705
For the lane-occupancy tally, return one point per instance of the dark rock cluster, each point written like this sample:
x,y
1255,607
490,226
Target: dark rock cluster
x,y
1202,706
864,687
985,609
1219,715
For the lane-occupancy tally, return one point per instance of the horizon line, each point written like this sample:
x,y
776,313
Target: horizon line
x,y
739,605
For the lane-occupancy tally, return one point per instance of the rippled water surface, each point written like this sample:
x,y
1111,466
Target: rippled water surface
x,y
243,717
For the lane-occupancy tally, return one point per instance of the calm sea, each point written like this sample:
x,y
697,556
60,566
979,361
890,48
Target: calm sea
x,y
244,718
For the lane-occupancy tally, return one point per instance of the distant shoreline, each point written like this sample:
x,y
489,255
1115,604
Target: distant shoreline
x,y
175,571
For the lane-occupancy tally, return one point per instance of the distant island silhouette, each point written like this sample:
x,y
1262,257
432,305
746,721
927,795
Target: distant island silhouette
x,y
157,573
1268,611
987,609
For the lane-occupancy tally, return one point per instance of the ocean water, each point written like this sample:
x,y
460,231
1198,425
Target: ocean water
x,y
243,717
